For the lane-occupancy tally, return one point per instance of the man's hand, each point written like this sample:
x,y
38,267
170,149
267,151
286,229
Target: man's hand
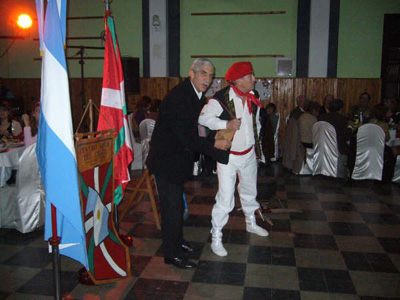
x,y
222,144
233,124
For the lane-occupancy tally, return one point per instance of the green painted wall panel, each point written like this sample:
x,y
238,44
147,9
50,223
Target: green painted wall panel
x,y
360,36
238,35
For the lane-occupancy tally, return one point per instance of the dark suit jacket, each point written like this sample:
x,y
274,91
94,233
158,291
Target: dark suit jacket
x,y
175,137
296,113
343,134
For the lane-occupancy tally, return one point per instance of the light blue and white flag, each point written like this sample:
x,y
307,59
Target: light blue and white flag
x,y
55,144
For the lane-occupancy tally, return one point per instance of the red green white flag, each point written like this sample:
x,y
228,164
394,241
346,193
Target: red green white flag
x,y
113,110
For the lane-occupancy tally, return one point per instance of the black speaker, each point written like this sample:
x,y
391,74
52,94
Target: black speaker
x,y
130,65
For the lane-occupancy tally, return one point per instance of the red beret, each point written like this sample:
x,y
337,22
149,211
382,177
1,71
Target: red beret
x,y
238,70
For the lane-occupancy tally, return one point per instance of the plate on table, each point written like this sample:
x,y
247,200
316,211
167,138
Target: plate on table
x,y
15,144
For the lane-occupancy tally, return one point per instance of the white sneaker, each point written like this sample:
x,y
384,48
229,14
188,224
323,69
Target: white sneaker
x,y
252,227
218,249
216,243
257,230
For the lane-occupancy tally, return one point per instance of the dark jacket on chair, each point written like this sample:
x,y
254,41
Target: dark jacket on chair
x,y
175,138
343,133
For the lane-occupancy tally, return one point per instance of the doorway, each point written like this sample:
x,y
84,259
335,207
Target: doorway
x,y
390,71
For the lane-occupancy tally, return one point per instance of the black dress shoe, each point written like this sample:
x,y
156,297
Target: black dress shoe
x,y
189,248
180,262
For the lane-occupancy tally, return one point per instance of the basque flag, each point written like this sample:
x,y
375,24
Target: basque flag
x,y
55,145
113,113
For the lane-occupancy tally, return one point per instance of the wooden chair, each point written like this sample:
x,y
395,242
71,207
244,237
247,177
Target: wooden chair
x,y
144,185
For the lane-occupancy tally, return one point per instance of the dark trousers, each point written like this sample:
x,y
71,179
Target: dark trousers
x,y
172,208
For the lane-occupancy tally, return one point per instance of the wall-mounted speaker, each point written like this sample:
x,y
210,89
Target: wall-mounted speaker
x,y
130,65
284,67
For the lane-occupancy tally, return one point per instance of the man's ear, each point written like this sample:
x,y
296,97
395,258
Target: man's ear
x,y
191,74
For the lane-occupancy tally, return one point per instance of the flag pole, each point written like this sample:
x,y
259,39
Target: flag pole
x,y
55,242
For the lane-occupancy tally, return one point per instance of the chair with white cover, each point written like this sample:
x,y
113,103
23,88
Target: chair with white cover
x,y
396,175
327,159
369,155
146,128
25,206
276,139
137,163
308,165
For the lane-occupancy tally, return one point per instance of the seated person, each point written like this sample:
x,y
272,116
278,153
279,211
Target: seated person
x,y
146,127
324,109
306,123
301,104
393,114
379,112
9,128
31,125
267,133
357,111
141,109
339,122
271,111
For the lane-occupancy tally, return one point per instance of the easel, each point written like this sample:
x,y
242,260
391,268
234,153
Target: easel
x,y
144,185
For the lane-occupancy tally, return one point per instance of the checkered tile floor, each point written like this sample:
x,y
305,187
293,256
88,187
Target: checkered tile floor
x,y
344,245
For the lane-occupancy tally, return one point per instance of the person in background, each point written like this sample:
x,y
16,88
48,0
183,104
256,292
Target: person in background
x,y
140,112
31,125
307,121
357,112
393,115
271,111
236,108
173,144
269,122
379,117
340,123
9,128
146,127
301,105
324,109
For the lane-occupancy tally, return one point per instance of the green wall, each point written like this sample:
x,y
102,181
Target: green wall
x,y
360,36
238,35
19,63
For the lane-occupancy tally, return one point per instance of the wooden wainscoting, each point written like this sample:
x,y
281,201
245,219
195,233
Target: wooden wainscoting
x,y
284,91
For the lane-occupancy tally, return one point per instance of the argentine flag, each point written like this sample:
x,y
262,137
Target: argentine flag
x,y
55,144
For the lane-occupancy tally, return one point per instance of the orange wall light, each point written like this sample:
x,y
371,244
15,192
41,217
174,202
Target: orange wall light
x,y
24,21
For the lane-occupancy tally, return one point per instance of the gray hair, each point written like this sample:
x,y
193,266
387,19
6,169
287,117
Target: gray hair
x,y
199,62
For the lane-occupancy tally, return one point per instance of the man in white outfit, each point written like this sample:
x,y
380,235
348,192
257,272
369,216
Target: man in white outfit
x,y
237,109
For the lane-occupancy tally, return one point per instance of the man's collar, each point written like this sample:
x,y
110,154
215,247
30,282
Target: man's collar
x,y
199,94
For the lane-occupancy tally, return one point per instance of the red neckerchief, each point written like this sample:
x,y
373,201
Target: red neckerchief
x,y
249,96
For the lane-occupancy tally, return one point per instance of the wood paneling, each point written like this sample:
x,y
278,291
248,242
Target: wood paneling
x,y
284,91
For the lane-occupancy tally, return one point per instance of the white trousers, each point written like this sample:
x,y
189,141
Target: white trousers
x,y
245,167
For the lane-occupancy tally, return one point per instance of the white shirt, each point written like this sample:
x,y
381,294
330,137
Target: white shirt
x,y
244,137
199,94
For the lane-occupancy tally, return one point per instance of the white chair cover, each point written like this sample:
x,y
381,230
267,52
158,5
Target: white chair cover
x,y
370,149
30,196
276,139
24,206
137,163
308,165
327,160
146,128
396,176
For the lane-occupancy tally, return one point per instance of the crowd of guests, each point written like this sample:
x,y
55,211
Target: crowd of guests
x,y
298,135
23,129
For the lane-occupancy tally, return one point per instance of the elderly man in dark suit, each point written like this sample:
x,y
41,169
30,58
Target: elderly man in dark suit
x,y
173,145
